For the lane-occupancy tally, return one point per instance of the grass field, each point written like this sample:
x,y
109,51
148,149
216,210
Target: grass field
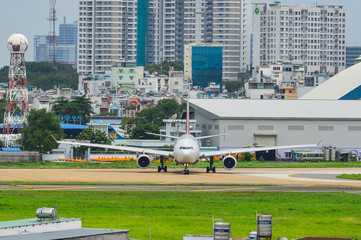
x,y
133,164
173,214
350,176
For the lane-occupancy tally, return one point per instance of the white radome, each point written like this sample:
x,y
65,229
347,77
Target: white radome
x,y
17,43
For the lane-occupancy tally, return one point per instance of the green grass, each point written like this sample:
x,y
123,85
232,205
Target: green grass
x,y
350,176
131,184
173,214
133,164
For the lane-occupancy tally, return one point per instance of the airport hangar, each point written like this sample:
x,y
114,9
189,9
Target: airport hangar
x,y
280,122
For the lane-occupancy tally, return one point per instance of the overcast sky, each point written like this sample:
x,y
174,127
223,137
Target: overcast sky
x,y
29,17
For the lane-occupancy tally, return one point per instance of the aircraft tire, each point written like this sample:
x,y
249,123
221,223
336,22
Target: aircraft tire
x,y
214,169
165,169
159,169
207,169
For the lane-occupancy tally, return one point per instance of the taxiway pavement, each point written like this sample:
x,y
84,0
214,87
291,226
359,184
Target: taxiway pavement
x,y
252,179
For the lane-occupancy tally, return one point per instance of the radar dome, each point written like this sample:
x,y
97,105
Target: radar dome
x,y
17,43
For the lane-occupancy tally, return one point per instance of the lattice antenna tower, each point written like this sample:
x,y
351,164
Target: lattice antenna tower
x,y
52,37
17,105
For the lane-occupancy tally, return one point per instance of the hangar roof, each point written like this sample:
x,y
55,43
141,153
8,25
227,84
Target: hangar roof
x,y
278,109
345,85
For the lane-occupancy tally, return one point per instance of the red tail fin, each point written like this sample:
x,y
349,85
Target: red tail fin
x,y
187,119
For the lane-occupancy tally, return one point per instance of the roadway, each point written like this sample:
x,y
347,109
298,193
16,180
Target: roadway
x,y
240,179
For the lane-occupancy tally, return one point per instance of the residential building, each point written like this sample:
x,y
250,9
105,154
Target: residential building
x,y
97,84
260,90
154,31
161,84
277,81
312,34
107,32
126,74
232,29
203,64
352,53
227,23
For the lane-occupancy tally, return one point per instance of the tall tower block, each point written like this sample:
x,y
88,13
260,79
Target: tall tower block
x,y
17,105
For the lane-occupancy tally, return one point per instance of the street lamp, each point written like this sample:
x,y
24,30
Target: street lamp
x,y
224,131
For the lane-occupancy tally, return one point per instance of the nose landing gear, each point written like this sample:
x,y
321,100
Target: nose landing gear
x,y
186,171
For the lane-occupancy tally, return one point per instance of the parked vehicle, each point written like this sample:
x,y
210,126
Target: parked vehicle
x,y
311,157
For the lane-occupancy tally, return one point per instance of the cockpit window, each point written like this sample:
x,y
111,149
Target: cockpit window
x,y
186,148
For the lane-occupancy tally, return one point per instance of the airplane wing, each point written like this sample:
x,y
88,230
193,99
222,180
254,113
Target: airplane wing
x,y
254,149
161,135
122,148
211,136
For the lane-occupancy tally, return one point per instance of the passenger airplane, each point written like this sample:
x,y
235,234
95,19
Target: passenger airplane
x,y
186,151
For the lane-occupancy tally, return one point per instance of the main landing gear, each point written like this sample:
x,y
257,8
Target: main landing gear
x,y
211,168
162,167
186,171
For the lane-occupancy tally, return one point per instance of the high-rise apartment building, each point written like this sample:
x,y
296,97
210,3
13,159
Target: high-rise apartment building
x,y
223,22
352,53
312,34
41,45
107,32
65,48
154,31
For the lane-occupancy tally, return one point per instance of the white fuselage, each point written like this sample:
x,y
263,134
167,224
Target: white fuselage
x,y
186,150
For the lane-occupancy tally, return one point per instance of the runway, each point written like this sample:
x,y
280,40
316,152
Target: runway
x,y
250,179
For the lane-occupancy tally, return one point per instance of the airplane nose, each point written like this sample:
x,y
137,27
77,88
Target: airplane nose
x,y
187,157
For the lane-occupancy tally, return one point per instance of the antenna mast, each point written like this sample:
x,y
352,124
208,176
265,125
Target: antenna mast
x,y
51,37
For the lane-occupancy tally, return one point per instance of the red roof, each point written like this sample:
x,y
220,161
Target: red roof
x,y
134,100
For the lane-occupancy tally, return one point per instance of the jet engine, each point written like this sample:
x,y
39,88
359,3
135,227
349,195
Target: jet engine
x,y
143,161
229,162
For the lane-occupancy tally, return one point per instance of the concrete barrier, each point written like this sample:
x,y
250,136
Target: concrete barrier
x,y
28,157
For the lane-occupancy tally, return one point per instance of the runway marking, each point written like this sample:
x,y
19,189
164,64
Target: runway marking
x,y
62,188
332,186
223,189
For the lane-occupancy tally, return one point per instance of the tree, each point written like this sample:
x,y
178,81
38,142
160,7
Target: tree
x,y
165,109
80,106
151,119
44,76
94,136
60,106
163,69
37,131
139,131
232,86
